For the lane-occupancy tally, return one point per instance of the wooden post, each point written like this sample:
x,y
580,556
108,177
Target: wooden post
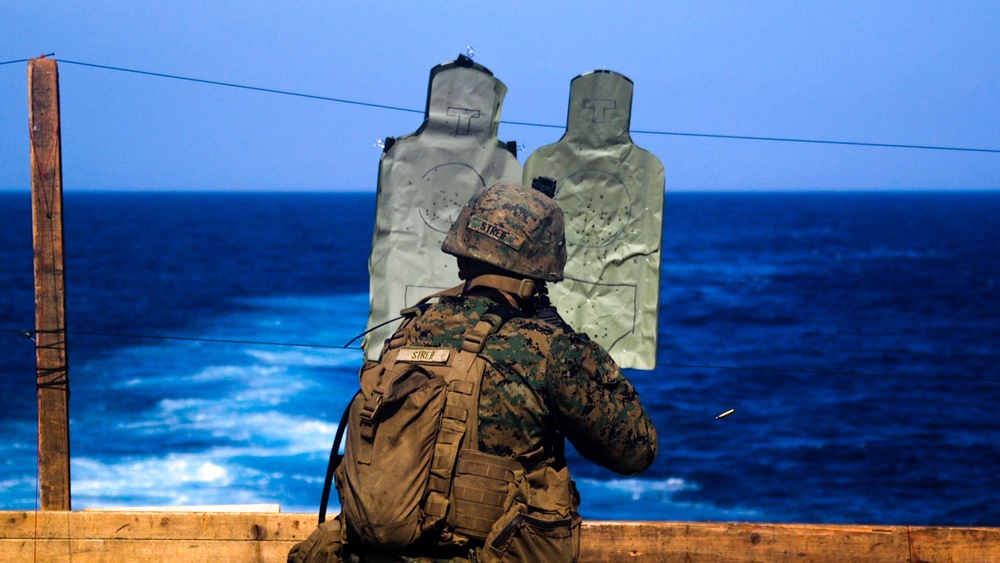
x,y
50,284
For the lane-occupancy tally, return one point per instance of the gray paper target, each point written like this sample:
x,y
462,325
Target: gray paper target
x,y
424,180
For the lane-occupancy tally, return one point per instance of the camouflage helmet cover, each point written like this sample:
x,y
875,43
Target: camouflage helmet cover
x,y
516,229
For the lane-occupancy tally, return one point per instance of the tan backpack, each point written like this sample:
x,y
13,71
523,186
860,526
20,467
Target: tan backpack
x,y
411,467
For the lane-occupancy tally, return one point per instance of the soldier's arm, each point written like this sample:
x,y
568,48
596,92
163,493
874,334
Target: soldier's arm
x,y
598,408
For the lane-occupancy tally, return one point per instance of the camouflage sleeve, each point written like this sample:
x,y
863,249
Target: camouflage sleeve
x,y
598,409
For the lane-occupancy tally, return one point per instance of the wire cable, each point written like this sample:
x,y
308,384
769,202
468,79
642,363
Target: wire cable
x,y
30,335
531,124
241,86
817,141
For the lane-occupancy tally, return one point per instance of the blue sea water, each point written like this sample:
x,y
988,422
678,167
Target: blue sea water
x,y
856,335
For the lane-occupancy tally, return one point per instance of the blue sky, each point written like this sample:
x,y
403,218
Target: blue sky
x,y
915,73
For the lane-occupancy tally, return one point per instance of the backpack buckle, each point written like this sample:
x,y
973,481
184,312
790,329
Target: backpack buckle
x,y
475,337
371,406
526,288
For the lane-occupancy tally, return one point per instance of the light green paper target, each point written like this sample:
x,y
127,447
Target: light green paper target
x,y
611,192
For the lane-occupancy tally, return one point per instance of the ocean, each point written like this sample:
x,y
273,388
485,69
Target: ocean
x,y
856,336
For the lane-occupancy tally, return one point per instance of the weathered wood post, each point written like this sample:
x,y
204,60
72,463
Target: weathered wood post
x,y
50,284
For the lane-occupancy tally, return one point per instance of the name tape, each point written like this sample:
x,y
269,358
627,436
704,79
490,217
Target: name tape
x,y
482,226
423,355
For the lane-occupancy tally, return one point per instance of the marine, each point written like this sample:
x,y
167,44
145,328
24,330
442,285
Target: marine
x,y
542,383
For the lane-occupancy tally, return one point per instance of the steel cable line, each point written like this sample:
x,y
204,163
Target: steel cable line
x,y
241,86
30,334
526,123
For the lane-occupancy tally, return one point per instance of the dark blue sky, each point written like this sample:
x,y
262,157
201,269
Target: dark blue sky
x,y
915,73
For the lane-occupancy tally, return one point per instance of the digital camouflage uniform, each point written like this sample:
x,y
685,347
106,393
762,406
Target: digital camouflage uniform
x,y
543,382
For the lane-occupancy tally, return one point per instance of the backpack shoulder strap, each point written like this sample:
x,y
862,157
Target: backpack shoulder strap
x,y
422,305
494,318
460,420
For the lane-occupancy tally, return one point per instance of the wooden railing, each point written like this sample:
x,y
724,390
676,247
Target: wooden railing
x,y
85,537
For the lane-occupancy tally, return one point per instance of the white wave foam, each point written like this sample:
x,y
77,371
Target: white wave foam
x,y
636,488
316,357
171,480
16,483
266,433
650,499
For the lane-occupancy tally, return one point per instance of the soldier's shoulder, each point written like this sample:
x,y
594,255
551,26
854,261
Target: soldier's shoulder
x,y
549,339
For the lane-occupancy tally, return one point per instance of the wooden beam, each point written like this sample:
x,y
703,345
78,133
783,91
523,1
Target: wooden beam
x,y
210,536
738,542
85,537
50,286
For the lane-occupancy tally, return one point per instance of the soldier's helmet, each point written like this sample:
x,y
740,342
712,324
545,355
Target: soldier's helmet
x,y
513,228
